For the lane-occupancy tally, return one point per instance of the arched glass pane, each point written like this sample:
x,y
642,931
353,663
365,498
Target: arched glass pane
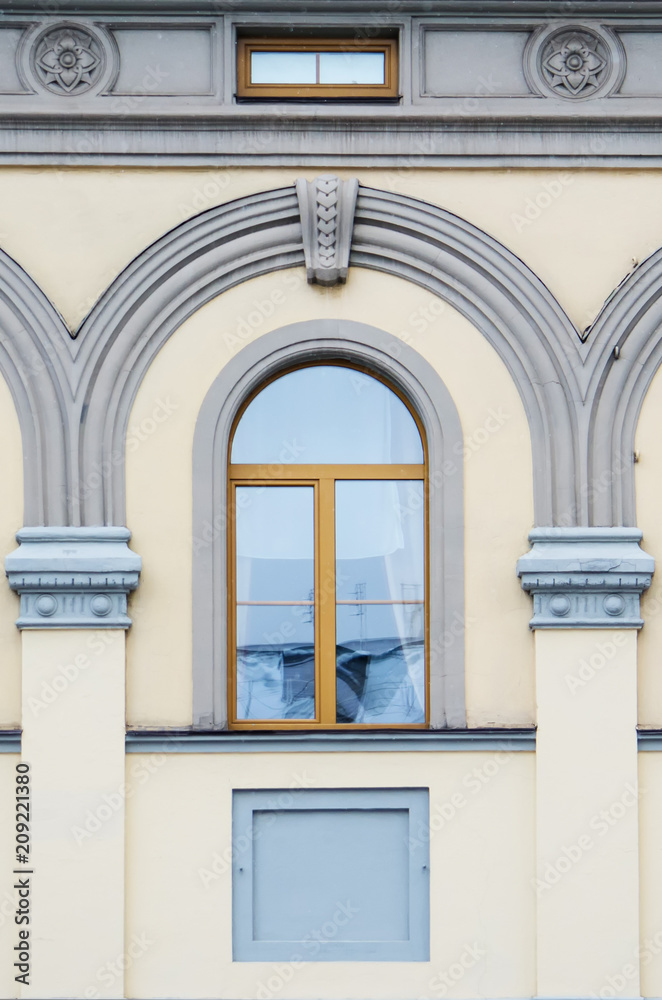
x,y
326,414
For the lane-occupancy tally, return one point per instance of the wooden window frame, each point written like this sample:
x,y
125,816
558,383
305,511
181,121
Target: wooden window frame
x,y
388,89
322,478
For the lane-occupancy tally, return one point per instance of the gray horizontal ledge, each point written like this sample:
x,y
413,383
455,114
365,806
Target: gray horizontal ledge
x,y
649,740
344,139
10,741
476,9
187,741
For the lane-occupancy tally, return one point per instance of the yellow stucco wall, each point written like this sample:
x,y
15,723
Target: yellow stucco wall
x,y
8,896
578,230
650,865
159,502
481,868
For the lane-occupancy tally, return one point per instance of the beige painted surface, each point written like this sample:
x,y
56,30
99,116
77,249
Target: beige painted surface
x,y
8,929
73,739
11,519
650,777
578,230
587,811
648,482
179,884
500,674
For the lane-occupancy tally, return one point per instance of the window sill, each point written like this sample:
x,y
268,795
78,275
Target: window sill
x,y
190,741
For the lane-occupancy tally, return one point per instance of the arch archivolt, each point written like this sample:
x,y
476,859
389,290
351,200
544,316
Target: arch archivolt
x,y
582,399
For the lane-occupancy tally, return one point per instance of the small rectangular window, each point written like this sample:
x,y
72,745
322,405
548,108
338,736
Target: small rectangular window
x,y
316,68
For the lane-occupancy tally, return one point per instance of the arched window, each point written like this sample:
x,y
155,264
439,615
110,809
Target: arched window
x,y
328,616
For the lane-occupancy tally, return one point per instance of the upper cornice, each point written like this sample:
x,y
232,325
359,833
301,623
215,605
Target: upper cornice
x,y
485,83
471,9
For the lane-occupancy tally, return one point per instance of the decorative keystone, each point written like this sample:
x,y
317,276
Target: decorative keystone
x,y
586,577
73,577
327,219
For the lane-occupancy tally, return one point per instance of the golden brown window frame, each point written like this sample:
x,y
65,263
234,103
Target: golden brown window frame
x,y
322,478
388,89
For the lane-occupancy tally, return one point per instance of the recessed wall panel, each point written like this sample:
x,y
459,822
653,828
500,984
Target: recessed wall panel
x,y
10,82
164,61
643,74
331,875
473,63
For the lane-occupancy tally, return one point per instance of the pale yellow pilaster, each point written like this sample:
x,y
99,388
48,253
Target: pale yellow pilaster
x,y
587,881
73,739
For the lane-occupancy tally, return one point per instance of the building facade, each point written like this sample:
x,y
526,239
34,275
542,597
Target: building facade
x,y
331,464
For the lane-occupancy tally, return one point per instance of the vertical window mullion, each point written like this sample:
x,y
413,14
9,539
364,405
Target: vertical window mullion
x,y
325,601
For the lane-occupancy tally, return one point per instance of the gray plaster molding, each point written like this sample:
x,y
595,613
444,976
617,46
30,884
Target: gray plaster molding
x,y
598,52
327,206
649,740
205,123
467,740
10,741
625,352
35,348
74,396
73,577
401,236
383,354
585,577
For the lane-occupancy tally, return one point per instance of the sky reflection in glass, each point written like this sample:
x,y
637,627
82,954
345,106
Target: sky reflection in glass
x,y
327,414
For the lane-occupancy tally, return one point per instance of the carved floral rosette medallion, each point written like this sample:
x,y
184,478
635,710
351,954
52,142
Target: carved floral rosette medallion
x,y
68,60
574,62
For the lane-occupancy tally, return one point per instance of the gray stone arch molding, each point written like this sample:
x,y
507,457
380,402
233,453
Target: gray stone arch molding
x,y
262,233
625,352
74,396
384,355
35,348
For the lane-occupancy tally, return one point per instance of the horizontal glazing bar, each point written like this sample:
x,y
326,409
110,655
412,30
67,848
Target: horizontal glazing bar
x,y
379,602
283,604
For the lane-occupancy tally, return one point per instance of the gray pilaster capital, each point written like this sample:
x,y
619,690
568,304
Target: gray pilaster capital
x,y
327,207
73,577
586,577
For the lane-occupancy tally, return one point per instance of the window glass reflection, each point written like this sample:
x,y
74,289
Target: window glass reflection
x,y
380,586
328,414
351,67
275,662
275,543
283,67
275,627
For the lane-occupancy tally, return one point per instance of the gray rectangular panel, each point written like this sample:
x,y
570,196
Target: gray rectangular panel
x,y
474,63
643,75
164,61
9,79
330,875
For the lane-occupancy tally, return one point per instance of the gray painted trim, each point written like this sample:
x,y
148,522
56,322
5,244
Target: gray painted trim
x,y
10,741
327,208
423,141
187,741
259,859
73,577
586,577
34,350
401,236
649,740
324,160
422,387
74,397
475,9
631,322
